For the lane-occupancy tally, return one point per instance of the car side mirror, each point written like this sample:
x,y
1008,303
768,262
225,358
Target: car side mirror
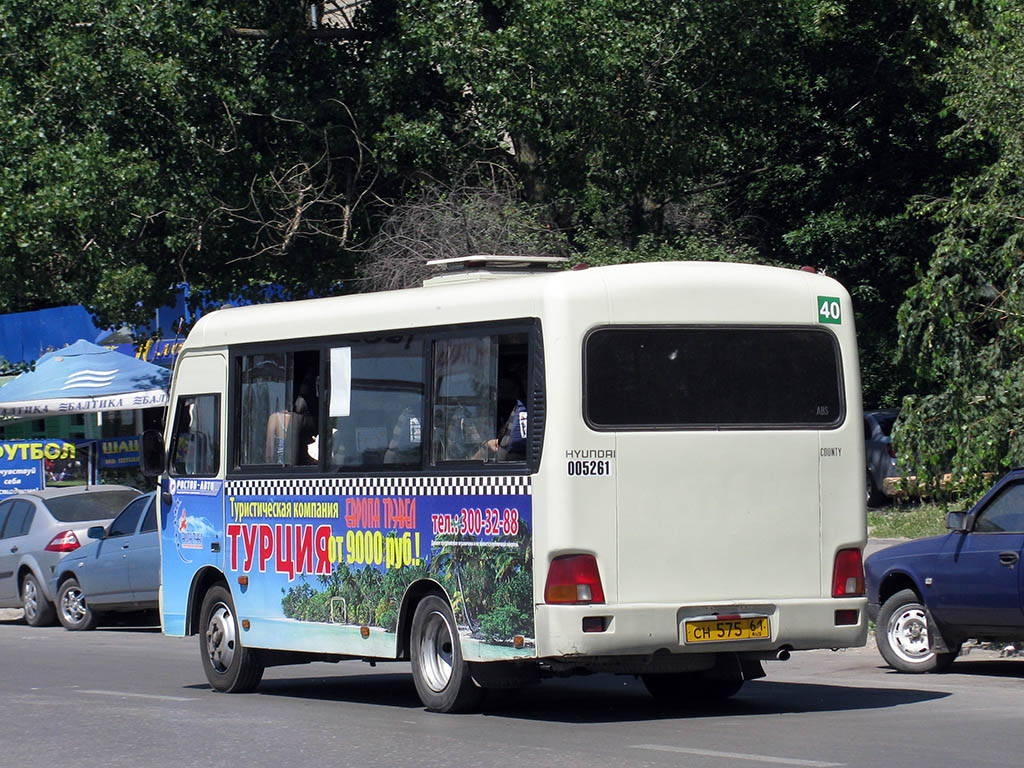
x,y
956,521
154,461
96,532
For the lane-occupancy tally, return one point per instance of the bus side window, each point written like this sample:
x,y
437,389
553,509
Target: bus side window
x,y
195,444
376,403
480,399
279,416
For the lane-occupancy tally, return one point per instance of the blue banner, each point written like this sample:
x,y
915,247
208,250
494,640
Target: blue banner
x,y
24,464
118,452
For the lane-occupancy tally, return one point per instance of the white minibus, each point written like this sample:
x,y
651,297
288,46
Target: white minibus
x,y
517,471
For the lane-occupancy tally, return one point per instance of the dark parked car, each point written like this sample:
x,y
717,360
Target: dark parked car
x,y
120,571
37,529
881,456
930,595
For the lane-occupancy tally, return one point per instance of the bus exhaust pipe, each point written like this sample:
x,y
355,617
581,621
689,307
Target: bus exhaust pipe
x,y
779,654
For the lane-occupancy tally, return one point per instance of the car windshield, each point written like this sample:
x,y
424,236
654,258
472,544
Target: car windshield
x,y
91,505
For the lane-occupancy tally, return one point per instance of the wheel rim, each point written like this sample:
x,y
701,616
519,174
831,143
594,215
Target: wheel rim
x,y
72,605
908,634
30,598
220,638
437,647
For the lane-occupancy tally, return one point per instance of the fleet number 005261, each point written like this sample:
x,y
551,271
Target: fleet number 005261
x,y
589,468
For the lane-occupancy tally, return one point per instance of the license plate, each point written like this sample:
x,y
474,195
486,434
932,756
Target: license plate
x,y
721,630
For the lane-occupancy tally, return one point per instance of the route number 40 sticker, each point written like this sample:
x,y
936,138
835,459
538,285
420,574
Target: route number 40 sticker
x,y
830,310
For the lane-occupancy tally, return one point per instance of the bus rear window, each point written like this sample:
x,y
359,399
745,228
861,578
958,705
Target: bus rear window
x,y
712,378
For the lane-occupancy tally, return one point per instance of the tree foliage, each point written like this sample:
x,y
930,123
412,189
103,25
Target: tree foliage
x,y
142,146
877,141
793,135
962,326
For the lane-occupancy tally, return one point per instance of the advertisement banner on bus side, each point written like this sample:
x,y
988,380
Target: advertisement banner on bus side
x,y
346,560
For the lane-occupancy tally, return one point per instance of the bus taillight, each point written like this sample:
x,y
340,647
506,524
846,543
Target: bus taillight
x,y
848,574
573,579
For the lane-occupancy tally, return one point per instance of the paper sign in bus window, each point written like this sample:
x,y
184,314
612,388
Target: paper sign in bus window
x,y
341,381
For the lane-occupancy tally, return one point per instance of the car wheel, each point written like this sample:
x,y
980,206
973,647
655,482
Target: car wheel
x,y
874,497
39,612
688,689
903,639
441,675
230,666
72,610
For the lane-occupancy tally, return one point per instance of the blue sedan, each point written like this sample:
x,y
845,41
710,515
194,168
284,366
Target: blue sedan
x,y
120,571
930,595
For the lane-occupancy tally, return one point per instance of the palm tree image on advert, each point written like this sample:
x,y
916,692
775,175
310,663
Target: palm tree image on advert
x,y
490,584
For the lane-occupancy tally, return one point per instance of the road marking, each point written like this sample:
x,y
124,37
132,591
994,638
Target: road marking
x,y
737,756
137,695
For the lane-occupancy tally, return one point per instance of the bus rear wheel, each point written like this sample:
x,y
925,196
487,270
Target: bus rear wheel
x,y
442,677
230,666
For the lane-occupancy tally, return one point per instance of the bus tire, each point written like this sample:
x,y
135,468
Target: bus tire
x,y
442,677
689,689
230,666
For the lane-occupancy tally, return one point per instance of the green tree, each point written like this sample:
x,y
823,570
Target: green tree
x,y
143,146
962,325
794,133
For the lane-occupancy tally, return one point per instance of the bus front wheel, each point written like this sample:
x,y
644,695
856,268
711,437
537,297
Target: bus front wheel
x,y
230,666
441,675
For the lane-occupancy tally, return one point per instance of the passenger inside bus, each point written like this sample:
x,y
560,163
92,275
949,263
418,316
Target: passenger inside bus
x,y
290,434
405,446
510,442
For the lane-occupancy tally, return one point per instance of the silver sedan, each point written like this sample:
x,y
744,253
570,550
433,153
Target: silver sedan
x,y
37,529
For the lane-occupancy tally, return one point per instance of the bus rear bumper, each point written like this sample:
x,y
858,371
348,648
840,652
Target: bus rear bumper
x,y
645,629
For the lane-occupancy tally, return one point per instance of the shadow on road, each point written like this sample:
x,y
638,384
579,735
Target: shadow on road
x,y
136,621
602,698
631,702
386,690
127,622
1011,668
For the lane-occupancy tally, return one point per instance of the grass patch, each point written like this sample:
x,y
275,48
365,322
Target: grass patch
x,y
907,521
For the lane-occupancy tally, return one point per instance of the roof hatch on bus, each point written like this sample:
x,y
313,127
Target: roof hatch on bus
x,y
489,267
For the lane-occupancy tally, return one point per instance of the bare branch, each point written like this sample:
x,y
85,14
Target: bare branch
x,y
329,33
306,198
482,215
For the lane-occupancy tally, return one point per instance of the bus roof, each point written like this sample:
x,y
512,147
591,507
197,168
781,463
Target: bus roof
x,y
702,292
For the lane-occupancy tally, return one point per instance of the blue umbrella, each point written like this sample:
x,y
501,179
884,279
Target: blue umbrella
x,y
84,378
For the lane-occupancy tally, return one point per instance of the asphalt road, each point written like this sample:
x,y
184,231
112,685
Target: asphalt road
x,y
132,697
